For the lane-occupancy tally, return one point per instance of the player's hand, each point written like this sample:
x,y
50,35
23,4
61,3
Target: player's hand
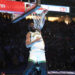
x,y
38,39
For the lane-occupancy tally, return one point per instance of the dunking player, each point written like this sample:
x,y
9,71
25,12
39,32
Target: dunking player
x,y
35,42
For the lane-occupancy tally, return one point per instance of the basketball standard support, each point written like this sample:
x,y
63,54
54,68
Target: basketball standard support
x,y
25,14
35,7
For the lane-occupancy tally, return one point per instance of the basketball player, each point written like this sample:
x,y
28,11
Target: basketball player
x,y
35,42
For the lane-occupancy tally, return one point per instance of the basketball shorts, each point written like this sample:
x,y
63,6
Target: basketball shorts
x,y
37,56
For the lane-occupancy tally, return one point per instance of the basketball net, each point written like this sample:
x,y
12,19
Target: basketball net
x,y
39,18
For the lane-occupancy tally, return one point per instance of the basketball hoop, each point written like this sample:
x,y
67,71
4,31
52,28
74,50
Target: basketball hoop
x,y
39,18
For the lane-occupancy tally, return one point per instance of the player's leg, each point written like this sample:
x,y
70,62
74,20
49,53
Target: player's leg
x,y
29,68
43,68
42,63
31,64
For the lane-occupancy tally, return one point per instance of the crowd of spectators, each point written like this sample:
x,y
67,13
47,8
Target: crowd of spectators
x,y
12,44
59,39
60,43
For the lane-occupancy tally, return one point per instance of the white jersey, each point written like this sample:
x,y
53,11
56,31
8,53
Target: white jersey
x,y
38,44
